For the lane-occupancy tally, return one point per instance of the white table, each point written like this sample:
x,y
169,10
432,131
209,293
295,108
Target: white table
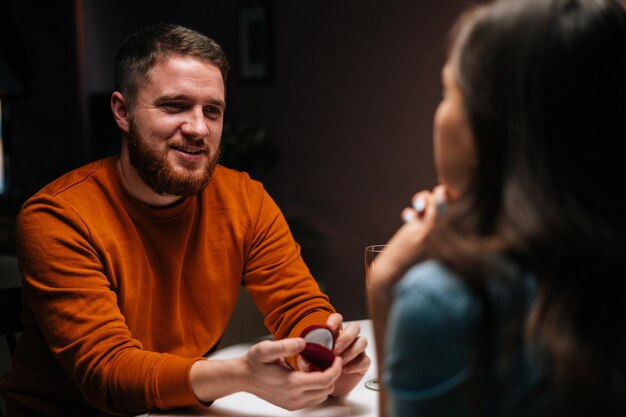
x,y
360,402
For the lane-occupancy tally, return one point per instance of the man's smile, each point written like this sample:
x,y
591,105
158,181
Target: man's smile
x,y
191,150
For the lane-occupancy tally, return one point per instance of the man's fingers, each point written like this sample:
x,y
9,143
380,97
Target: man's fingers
x,y
316,386
269,351
355,349
334,321
347,337
304,365
359,365
318,379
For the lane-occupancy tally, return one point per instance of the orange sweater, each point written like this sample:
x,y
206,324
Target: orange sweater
x,y
121,298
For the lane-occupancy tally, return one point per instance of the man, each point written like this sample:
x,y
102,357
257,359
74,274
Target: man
x,y
132,265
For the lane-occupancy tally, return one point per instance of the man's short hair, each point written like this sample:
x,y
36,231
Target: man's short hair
x,y
145,48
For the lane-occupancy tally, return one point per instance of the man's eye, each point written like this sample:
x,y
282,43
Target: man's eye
x,y
174,106
213,112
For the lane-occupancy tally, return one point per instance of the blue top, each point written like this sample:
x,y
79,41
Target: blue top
x,y
429,346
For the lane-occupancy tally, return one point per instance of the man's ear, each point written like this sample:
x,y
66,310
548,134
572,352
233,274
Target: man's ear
x,y
119,107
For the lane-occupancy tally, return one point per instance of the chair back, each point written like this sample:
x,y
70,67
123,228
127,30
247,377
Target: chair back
x,y
10,314
10,299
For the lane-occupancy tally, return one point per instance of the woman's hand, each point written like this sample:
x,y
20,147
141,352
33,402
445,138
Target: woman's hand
x,y
403,248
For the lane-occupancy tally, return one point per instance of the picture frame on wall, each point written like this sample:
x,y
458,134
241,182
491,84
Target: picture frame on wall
x,y
255,42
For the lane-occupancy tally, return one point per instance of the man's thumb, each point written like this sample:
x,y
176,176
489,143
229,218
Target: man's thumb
x,y
269,351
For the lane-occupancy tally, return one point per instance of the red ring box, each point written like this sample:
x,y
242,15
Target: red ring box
x,y
318,351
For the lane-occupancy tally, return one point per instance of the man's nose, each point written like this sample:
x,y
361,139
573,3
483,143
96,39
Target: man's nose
x,y
195,124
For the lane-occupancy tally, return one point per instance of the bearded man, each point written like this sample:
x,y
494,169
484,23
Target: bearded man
x,y
132,264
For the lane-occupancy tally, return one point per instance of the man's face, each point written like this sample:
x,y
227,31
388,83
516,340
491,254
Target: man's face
x,y
175,125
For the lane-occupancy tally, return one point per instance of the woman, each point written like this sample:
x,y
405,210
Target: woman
x,y
499,295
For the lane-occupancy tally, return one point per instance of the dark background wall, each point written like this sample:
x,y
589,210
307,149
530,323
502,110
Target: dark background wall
x,y
349,107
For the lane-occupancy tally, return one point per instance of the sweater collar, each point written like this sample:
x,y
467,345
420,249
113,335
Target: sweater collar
x,y
139,208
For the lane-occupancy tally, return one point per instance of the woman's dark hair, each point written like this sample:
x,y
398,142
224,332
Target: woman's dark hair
x,y
145,48
544,88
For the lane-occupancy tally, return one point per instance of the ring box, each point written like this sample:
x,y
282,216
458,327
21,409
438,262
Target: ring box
x,y
320,341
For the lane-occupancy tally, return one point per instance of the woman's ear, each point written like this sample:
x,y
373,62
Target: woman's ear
x,y
119,107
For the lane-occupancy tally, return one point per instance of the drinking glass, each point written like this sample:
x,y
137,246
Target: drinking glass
x,y
371,252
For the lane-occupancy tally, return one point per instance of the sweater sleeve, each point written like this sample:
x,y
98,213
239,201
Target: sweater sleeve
x,y
275,273
75,308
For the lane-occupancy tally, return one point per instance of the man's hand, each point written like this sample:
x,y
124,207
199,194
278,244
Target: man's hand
x,y
271,379
350,348
264,372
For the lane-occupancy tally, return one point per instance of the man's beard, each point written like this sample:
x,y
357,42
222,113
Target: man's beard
x,y
155,170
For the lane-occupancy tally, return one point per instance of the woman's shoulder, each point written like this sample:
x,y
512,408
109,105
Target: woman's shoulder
x,y
433,285
431,302
432,274
429,333
433,319
443,287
